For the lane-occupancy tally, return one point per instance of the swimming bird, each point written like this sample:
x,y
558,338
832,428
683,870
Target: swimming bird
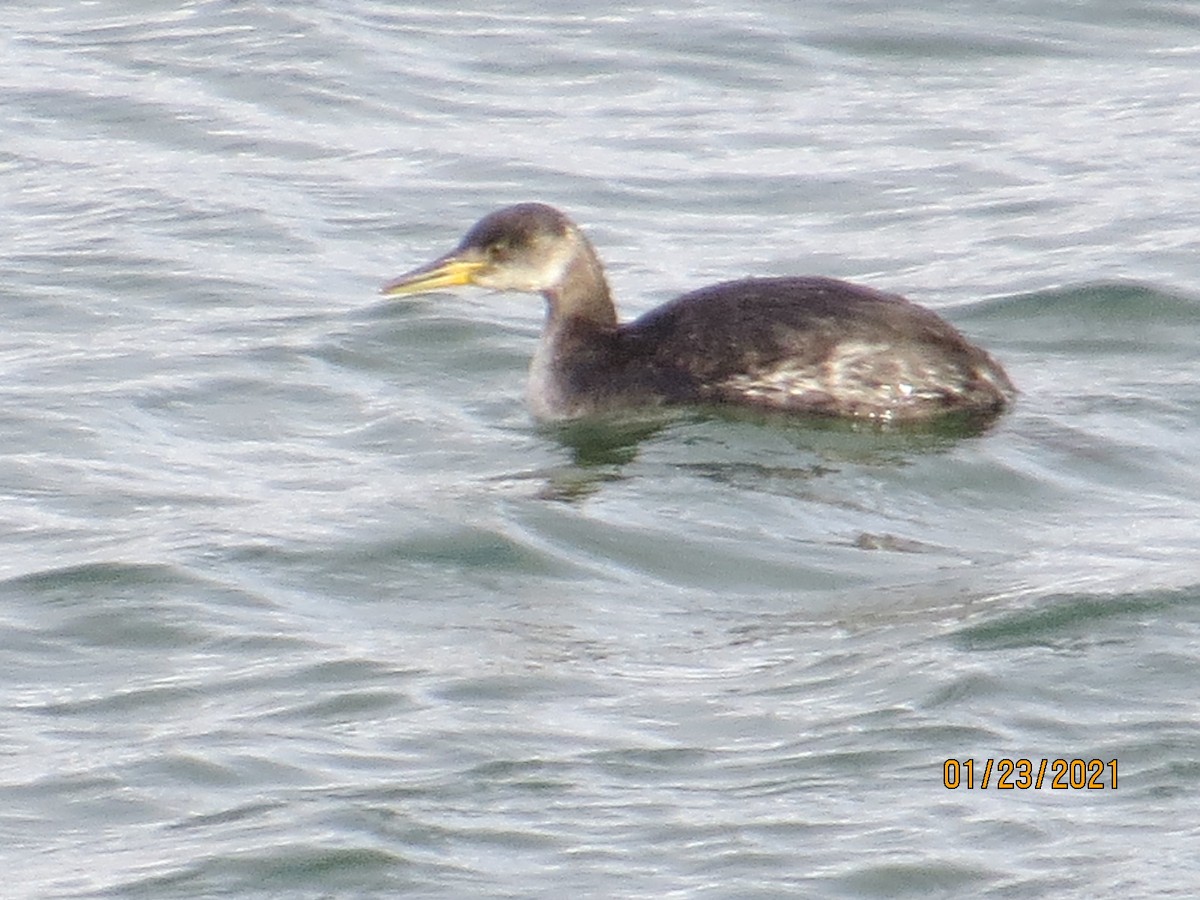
x,y
808,345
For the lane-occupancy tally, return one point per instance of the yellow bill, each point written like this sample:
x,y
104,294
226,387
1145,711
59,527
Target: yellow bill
x,y
449,271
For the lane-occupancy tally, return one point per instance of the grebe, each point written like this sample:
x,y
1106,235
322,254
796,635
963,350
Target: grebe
x,y
807,345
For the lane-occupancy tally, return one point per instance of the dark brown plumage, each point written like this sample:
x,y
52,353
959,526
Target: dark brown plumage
x,y
805,345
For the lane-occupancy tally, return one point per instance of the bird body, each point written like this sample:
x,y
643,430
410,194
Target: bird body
x,y
810,345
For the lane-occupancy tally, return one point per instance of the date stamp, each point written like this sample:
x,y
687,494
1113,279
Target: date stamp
x,y
1022,774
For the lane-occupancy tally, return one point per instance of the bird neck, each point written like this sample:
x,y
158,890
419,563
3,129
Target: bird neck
x,y
582,291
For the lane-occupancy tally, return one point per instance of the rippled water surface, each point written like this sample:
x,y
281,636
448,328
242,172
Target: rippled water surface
x,y
296,600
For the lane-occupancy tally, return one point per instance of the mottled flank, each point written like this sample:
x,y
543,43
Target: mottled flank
x,y
806,345
874,380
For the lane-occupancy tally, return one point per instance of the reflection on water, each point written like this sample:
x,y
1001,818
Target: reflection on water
x,y
706,446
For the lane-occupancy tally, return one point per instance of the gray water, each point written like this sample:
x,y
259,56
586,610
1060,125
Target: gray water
x,y
297,601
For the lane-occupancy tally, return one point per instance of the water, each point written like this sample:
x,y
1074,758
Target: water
x,y
297,601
